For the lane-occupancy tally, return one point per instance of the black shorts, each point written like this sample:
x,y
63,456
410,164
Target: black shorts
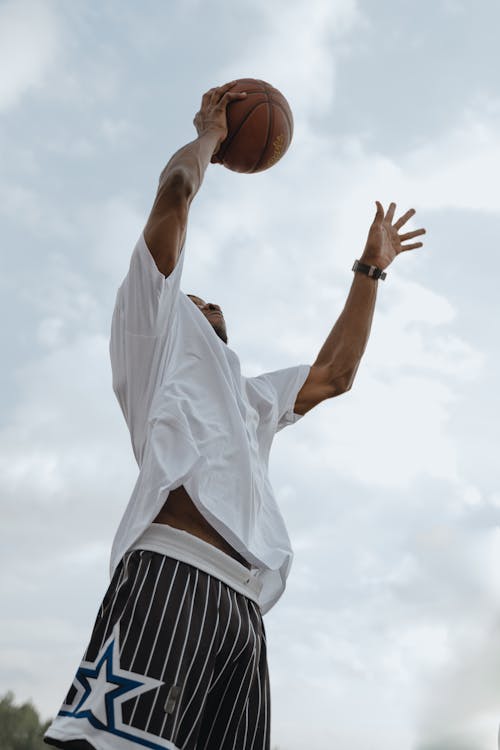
x,y
177,661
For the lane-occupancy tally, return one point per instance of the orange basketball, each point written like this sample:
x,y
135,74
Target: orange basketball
x,y
260,128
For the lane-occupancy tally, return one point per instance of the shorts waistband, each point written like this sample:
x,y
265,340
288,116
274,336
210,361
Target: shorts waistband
x,y
188,548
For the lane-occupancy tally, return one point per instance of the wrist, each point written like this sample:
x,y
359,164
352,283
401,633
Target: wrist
x,y
370,259
369,269
212,135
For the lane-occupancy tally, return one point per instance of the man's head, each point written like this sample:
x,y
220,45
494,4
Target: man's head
x,y
213,314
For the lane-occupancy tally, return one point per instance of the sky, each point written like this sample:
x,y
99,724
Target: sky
x,y
388,634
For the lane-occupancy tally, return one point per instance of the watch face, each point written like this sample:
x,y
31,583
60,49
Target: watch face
x,y
372,271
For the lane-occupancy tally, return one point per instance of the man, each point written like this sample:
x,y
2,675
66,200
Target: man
x,y
177,657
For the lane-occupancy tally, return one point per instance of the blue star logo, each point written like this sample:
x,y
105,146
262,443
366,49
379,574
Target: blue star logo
x,y
102,687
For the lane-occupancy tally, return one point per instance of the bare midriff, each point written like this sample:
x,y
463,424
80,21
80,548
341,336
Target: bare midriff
x,y
180,512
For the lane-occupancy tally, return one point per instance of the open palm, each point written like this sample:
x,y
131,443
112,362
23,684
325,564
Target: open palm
x,y
384,241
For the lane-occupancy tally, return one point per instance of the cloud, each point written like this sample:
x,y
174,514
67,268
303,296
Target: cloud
x,y
394,578
461,169
294,51
30,41
459,708
458,169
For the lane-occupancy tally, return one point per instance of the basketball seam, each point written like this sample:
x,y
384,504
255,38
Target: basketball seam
x,y
235,133
269,131
290,125
269,101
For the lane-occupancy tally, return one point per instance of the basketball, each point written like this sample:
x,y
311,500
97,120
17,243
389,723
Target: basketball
x,y
260,128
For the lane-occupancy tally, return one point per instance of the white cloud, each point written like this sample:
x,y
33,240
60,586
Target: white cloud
x,y
460,704
40,214
112,227
294,52
391,585
459,170
117,131
30,38
388,432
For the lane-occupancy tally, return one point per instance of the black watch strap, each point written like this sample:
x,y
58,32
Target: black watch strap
x,y
372,271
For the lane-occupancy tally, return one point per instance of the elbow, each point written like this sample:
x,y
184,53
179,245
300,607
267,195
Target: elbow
x,y
349,380
343,381
342,385
177,183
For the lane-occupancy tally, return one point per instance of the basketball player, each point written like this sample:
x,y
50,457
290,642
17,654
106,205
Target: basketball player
x,y
177,657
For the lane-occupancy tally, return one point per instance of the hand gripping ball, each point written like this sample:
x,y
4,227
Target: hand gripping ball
x,y
260,128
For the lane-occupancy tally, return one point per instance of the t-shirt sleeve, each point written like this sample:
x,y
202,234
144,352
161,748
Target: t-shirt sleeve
x,y
285,385
143,324
147,298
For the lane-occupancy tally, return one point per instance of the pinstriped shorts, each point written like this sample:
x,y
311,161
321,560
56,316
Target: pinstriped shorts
x,y
176,661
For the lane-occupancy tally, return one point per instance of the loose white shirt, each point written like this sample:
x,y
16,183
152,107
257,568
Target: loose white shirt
x,y
194,420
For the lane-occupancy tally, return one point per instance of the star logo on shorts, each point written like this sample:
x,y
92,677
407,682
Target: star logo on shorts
x,y
104,686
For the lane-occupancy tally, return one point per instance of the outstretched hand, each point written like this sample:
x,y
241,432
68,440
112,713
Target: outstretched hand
x,y
212,115
384,241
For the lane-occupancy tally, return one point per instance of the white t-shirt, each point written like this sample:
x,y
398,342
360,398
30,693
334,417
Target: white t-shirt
x,y
194,420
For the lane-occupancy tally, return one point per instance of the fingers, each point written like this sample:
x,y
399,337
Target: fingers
x,y
230,96
207,96
220,95
388,219
222,89
400,222
380,211
410,235
411,247
390,213
217,92
404,218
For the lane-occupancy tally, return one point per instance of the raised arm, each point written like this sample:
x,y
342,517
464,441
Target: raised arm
x,y
181,179
336,365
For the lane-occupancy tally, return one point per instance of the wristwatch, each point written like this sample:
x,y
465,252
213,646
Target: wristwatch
x,y
372,271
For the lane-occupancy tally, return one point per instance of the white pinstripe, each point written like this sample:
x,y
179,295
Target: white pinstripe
x,y
201,675
246,729
256,663
195,654
170,647
220,706
162,618
184,644
188,627
118,588
256,609
125,638
245,644
251,663
119,583
258,615
160,628
131,667
258,714
228,621
255,668
147,616
230,681
230,654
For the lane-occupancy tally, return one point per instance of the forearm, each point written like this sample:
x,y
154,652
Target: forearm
x,y
346,343
185,171
191,161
